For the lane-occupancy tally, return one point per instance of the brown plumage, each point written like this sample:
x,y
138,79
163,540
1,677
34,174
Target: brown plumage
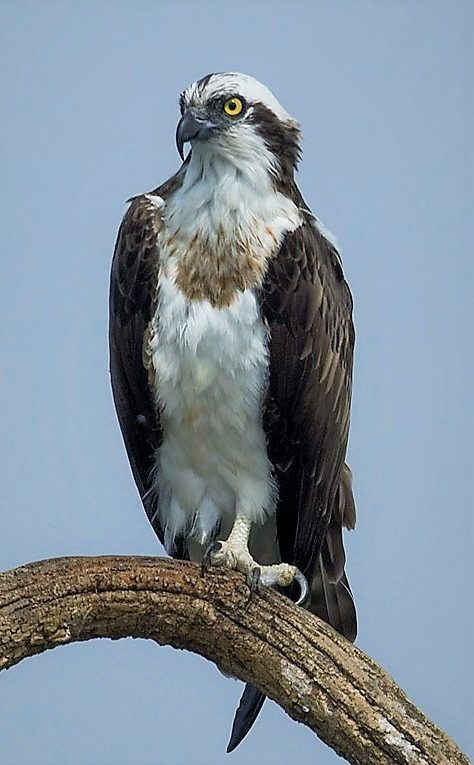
x,y
132,289
308,307
218,273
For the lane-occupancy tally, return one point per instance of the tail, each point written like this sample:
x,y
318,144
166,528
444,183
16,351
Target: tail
x,y
333,602
330,598
245,716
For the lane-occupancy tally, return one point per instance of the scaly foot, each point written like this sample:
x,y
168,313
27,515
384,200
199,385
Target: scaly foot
x,y
238,558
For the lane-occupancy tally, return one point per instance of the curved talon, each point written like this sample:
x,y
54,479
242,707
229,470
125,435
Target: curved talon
x,y
254,579
304,589
206,558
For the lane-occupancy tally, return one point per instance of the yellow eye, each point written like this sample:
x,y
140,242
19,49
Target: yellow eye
x,y
233,106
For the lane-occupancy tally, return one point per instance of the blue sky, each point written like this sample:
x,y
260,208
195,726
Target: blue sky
x,y
89,110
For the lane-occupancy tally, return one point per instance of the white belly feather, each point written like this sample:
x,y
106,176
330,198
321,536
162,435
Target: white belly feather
x,y
211,369
209,364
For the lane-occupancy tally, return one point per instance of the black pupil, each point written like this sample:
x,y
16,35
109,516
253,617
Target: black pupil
x,y
232,105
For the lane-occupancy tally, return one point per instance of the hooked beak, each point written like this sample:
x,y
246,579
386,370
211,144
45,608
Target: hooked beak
x,y
191,128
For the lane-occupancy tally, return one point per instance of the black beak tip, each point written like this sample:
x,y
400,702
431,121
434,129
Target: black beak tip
x,y
180,147
190,128
179,140
187,129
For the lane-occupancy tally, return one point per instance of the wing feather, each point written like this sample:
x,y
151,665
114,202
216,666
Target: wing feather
x,y
132,291
308,307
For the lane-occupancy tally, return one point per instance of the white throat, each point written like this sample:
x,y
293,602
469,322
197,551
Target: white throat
x,y
228,195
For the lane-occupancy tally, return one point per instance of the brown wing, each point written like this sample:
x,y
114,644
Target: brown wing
x,y
132,285
308,307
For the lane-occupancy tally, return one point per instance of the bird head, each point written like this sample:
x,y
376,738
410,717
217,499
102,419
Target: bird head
x,y
235,117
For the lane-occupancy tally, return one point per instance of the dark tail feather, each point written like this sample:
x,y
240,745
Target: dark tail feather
x,y
246,714
333,602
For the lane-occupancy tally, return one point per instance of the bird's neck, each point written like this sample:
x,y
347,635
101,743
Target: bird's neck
x,y
222,226
228,195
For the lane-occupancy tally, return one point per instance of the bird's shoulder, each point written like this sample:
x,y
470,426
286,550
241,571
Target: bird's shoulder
x,y
305,284
135,261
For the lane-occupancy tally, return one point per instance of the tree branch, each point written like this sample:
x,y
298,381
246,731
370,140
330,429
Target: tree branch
x,y
317,676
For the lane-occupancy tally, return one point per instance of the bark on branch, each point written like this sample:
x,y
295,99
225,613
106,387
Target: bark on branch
x,y
317,676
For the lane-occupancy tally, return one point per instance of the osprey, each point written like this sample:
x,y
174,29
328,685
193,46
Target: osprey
x,y
231,345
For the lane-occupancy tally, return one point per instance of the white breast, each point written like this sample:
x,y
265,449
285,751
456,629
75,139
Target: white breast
x,y
210,364
211,369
